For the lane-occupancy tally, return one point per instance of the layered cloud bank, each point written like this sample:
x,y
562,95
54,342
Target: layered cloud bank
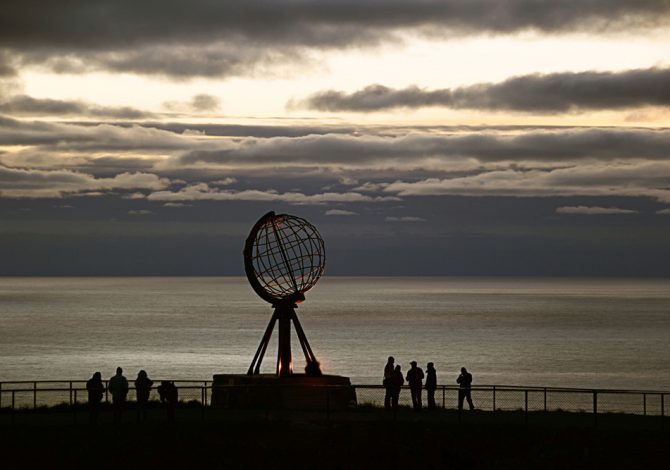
x,y
585,210
55,159
233,37
552,93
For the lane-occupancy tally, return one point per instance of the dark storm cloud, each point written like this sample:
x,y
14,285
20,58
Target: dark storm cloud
x,y
240,130
204,102
29,106
593,210
180,61
146,136
303,127
113,165
71,137
6,68
404,149
557,92
642,179
145,37
101,23
204,192
198,104
335,168
22,183
565,145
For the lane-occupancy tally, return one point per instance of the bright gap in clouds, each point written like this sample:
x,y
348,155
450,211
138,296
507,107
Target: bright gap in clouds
x,y
441,64
429,64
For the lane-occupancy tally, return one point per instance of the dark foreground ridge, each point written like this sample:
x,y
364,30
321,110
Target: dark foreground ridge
x,y
366,437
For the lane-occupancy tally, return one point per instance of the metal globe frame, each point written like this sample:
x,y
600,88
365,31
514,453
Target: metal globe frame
x,y
284,257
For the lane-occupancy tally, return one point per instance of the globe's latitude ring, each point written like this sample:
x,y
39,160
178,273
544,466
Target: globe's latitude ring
x,y
284,257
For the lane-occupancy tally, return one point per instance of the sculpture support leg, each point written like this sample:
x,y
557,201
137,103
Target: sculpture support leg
x,y
306,349
255,366
284,360
284,315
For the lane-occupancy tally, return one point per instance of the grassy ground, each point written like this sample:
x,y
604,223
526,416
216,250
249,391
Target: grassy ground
x,y
362,438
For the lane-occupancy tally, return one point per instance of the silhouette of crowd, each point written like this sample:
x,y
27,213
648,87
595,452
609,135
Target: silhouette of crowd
x,y
117,387
394,380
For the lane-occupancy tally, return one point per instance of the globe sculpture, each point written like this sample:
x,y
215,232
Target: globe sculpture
x,y
284,257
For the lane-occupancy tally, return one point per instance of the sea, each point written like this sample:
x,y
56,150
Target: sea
x,y
565,332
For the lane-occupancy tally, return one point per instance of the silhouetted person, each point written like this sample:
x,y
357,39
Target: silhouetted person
x,y
431,385
118,387
95,389
388,383
414,380
313,369
465,382
143,386
396,384
170,396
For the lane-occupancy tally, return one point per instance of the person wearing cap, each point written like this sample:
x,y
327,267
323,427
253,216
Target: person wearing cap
x,y
415,380
431,385
388,382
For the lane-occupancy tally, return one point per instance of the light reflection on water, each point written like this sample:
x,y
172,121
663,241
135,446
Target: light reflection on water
x,y
554,332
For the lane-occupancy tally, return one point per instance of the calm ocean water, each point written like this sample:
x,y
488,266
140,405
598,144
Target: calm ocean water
x,y
511,331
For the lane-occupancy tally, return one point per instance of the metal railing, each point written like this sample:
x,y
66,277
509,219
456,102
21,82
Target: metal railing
x,y
39,393
35,394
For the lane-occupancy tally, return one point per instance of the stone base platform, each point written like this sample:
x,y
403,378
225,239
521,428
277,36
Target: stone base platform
x,y
296,392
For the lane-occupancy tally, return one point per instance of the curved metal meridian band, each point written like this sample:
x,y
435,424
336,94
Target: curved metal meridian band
x,y
280,242
248,259
266,228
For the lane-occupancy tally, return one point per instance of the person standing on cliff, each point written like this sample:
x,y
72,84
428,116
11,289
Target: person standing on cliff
x,y
118,387
396,384
465,382
431,385
388,382
415,381
95,389
143,386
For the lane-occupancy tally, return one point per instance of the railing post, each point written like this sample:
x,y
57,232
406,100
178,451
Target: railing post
x,y
70,393
644,404
662,411
13,398
74,408
525,416
202,407
0,395
106,391
34,395
328,404
444,398
545,399
494,398
595,408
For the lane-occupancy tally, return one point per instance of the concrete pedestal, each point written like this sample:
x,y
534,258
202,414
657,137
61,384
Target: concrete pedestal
x,y
297,392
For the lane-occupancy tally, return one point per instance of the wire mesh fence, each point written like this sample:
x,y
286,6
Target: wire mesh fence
x,y
24,394
35,394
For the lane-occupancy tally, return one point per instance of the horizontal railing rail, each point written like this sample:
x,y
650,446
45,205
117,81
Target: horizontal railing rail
x,y
6,383
40,393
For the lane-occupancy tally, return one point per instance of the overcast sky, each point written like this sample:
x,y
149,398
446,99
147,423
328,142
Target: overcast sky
x,y
454,137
